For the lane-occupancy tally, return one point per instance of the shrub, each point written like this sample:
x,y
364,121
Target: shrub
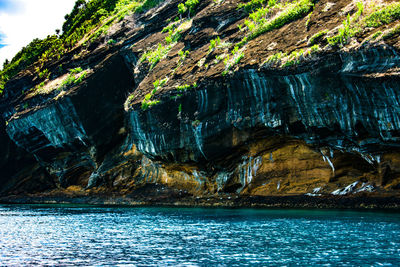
x,y
185,87
257,22
292,12
376,35
147,102
183,54
256,4
44,74
391,32
345,32
171,26
111,42
314,49
230,62
251,5
317,37
383,16
189,6
75,76
154,56
214,43
85,17
182,9
275,58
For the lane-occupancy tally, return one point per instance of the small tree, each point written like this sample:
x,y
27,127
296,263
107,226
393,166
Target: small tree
x,y
181,9
6,62
191,5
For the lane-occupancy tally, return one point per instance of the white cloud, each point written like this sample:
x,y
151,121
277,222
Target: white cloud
x,y
35,19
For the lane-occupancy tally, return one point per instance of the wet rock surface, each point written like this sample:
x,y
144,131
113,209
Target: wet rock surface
x,y
323,133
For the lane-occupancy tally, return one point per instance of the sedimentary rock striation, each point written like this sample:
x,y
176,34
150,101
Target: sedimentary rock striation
x,y
320,121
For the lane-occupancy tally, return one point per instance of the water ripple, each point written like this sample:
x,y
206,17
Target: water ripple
x,y
94,236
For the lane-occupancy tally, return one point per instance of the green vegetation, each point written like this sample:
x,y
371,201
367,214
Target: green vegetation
x,y
154,56
182,55
85,17
284,60
384,15
44,74
316,38
182,9
292,11
111,42
257,23
315,49
294,58
275,58
147,102
75,76
173,36
253,5
391,32
345,32
219,58
308,20
381,15
185,87
2,83
39,87
214,43
37,50
189,6
237,55
349,28
171,26
129,100
376,35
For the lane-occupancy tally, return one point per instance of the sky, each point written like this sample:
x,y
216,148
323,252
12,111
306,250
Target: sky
x,y
23,20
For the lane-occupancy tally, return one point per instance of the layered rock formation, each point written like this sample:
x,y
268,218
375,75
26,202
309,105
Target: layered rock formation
x,y
325,125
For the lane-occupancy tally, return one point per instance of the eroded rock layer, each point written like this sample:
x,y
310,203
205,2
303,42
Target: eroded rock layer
x,y
327,126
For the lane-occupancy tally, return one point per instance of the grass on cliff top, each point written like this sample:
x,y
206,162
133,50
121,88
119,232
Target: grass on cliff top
x,y
366,16
83,19
154,55
259,22
264,16
75,76
383,16
147,101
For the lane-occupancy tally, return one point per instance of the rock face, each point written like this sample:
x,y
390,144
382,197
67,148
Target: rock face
x,y
329,125
65,134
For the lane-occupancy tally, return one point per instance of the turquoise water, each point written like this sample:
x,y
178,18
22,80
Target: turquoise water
x,y
76,235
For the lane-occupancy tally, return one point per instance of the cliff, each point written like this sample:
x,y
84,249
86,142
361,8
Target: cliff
x,y
213,100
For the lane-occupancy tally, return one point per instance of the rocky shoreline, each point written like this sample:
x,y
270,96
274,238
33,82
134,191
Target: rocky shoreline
x,y
168,110
166,197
